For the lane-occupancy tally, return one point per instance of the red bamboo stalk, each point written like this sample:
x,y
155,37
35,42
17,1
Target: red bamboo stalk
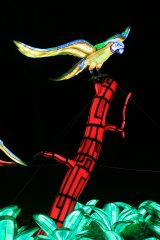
x,y
80,168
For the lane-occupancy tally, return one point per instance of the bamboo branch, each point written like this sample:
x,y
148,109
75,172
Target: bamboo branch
x,y
114,128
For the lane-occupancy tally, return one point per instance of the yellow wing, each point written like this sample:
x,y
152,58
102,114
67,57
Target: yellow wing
x,y
77,48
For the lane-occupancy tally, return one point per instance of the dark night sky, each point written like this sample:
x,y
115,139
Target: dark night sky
x,y
38,114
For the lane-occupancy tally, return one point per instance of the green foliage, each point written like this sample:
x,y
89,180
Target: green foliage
x,y
73,226
115,221
9,228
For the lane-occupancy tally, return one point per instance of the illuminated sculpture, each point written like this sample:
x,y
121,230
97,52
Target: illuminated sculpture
x,y
80,168
73,220
10,155
92,56
117,220
9,229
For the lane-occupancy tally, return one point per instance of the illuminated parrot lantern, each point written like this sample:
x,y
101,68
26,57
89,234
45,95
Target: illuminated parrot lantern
x,y
80,168
92,56
116,220
10,155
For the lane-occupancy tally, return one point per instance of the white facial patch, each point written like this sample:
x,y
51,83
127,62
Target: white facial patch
x,y
117,47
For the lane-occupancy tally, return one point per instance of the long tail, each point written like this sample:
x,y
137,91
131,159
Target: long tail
x,y
35,52
77,48
75,70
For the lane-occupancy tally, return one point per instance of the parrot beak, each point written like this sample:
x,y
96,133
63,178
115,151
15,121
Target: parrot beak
x,y
120,51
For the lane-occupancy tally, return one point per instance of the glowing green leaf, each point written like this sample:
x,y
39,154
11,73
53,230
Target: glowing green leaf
x,y
8,228
79,206
46,223
61,234
88,207
147,218
26,235
128,215
118,227
112,211
151,207
145,203
99,214
155,228
12,210
21,229
87,210
92,202
74,220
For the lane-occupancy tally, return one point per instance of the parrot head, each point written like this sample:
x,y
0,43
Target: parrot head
x,y
117,47
115,42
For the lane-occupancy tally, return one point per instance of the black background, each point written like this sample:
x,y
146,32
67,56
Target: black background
x,y
38,114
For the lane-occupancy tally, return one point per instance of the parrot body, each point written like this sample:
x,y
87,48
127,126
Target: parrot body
x,y
92,56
